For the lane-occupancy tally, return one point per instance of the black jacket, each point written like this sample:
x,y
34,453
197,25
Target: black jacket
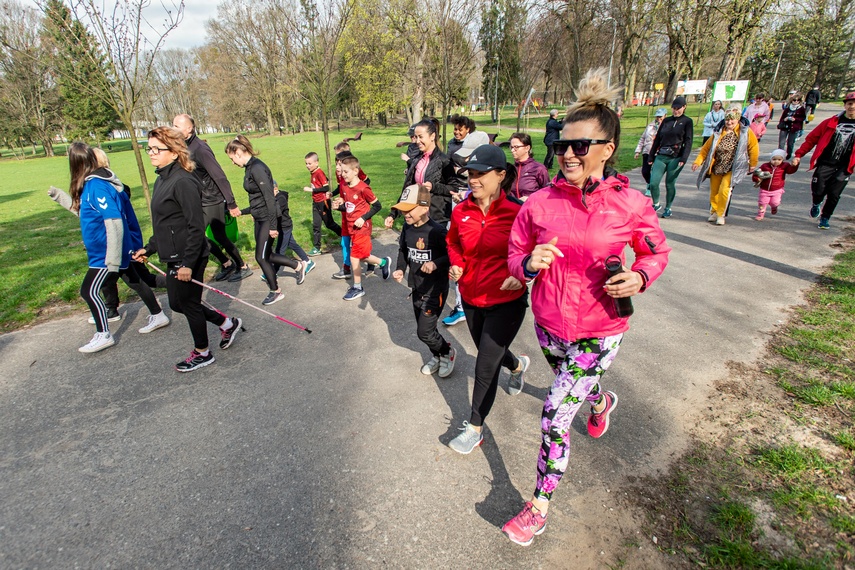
x,y
215,185
440,173
812,97
258,183
553,131
674,138
178,225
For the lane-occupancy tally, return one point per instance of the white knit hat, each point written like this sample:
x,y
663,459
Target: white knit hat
x,y
778,152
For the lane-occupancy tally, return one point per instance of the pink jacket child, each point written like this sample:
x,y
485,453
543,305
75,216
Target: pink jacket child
x,y
568,299
758,126
771,177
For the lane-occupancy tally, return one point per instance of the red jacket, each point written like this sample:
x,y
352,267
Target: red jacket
x,y
779,176
568,299
819,138
479,244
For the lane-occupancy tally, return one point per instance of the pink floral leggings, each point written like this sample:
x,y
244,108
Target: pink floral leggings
x,y
578,367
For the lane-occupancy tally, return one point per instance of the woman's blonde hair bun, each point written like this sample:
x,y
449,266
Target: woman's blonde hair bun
x,y
594,90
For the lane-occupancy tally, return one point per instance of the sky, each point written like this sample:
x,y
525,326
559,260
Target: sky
x,y
191,31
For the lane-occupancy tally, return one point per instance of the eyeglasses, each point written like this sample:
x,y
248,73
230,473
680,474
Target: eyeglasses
x,y
580,146
155,150
518,146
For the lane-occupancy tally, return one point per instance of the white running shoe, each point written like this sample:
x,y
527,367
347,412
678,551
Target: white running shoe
x,y
446,363
99,342
155,322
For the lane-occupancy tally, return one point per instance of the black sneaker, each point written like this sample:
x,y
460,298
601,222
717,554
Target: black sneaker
x,y
224,272
273,297
240,274
230,333
194,361
370,267
342,274
386,270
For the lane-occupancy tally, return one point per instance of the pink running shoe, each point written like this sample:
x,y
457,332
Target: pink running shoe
x,y
525,526
598,424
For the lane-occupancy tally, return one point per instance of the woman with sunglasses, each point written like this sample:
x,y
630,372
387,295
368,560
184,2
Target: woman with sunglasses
x,y
531,175
791,123
178,227
726,159
494,302
561,240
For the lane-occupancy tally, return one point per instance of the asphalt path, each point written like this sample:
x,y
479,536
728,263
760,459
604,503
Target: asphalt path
x,y
329,450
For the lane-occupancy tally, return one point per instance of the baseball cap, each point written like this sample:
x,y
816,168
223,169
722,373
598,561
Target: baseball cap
x,y
679,102
487,157
849,96
661,112
413,196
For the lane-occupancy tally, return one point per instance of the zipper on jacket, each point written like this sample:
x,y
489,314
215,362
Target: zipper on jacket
x,y
650,244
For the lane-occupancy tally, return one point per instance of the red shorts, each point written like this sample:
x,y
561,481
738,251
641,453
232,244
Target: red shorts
x,y
360,245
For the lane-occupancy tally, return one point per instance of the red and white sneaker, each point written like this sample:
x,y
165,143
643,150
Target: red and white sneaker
x,y
598,423
525,526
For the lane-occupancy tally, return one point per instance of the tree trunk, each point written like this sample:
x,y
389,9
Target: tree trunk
x,y
140,165
325,125
48,144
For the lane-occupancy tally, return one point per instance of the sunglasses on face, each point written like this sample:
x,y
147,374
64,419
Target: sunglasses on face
x,y
580,146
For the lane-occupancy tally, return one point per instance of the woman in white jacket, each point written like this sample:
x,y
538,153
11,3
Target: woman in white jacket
x,y
646,142
712,119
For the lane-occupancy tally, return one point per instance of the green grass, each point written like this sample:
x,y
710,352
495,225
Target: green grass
x,y
40,247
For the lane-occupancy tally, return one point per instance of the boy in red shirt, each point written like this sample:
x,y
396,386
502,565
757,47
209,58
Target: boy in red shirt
x,y
359,204
342,150
321,210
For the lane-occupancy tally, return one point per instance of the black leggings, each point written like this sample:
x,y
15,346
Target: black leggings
x,y
93,281
493,329
215,216
138,278
185,297
427,310
645,167
264,255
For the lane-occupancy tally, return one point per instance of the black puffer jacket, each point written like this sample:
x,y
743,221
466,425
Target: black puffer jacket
x,y
440,173
258,183
215,185
176,217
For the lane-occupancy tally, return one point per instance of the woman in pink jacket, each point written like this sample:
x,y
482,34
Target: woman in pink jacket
x,y
561,240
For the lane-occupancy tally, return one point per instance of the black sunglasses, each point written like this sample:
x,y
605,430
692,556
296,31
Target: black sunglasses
x,y
580,146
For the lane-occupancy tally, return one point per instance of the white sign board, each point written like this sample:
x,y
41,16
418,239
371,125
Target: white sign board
x,y
730,90
695,87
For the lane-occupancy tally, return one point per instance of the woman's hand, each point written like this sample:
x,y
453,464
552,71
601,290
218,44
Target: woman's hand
x,y
636,156
184,274
398,275
139,256
428,267
274,234
404,157
455,273
428,185
358,223
695,167
234,212
388,222
511,284
543,255
625,284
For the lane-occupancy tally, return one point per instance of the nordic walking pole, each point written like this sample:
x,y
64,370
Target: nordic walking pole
x,y
233,298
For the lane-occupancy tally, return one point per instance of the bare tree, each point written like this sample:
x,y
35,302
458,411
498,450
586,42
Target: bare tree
x,y
29,97
128,42
319,35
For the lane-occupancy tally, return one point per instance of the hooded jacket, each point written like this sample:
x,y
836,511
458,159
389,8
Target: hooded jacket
x,y
124,194
103,225
747,153
178,224
674,138
568,299
553,131
779,176
819,137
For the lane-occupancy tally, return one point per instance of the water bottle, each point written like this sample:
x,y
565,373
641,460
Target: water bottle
x,y
623,305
